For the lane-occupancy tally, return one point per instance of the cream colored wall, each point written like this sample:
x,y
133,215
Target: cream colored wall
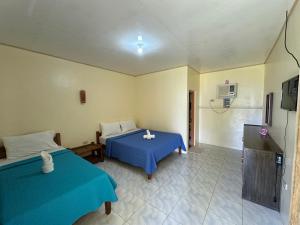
x,y
280,67
38,92
226,129
194,85
161,100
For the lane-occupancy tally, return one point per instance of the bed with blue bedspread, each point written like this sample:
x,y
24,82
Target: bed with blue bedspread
x,y
132,148
73,189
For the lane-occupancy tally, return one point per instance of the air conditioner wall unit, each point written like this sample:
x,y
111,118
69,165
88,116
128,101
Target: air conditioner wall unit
x,y
227,91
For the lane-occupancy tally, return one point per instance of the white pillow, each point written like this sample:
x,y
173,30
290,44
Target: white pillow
x,y
127,125
21,146
110,128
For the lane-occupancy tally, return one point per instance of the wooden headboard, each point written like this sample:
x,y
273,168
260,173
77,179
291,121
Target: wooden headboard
x,y
56,139
98,135
2,152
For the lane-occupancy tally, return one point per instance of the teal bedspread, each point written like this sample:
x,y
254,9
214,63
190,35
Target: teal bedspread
x,y
74,188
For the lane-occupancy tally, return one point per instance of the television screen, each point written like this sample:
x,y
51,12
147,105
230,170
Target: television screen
x,y
290,94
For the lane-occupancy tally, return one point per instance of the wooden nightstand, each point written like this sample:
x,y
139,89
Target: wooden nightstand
x,y
91,152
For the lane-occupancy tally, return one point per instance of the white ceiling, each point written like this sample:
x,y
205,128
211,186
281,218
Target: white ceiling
x,y
208,35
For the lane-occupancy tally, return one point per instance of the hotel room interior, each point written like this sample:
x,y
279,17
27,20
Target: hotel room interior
x,y
149,112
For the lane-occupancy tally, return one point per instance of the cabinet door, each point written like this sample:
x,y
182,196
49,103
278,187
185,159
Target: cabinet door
x,y
259,178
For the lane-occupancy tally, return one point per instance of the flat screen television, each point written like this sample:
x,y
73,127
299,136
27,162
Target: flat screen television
x,y
290,94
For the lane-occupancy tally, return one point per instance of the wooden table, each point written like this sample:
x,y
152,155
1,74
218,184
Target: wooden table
x,y
91,152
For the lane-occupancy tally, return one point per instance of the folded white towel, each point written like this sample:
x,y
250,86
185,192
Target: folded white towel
x,y
149,137
48,165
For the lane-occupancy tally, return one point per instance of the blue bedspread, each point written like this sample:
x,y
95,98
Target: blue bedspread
x,y
133,149
74,188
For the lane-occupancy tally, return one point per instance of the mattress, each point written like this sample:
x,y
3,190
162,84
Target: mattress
x,y
73,189
132,148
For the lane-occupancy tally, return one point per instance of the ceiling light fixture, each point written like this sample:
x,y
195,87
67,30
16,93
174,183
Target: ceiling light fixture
x,y
140,50
140,45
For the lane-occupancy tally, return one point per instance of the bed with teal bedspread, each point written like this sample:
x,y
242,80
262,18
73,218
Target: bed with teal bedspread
x,y
73,189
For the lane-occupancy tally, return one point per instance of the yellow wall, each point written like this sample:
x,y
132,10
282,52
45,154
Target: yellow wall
x,y
38,92
280,67
226,129
162,101
194,85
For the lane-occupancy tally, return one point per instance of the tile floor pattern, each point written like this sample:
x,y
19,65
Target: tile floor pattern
x,y
200,188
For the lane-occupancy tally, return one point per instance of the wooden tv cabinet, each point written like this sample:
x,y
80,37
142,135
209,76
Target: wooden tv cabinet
x,y
261,174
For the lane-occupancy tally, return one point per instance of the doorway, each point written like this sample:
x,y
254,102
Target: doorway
x,y
191,119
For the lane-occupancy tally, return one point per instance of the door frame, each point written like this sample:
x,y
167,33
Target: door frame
x,y
295,195
295,198
193,124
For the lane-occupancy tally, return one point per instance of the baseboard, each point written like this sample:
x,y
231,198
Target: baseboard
x,y
216,146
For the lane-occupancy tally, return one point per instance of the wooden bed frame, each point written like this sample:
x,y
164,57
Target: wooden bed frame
x,y
57,140
98,135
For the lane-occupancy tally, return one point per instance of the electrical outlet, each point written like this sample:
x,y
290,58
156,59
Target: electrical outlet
x,y
288,161
285,187
212,100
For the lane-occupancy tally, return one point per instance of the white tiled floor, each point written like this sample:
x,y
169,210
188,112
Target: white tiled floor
x,y
203,187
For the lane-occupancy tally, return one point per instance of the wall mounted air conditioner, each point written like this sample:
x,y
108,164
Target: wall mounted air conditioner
x,y
227,91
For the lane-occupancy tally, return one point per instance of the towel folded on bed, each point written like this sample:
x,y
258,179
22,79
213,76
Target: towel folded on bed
x,y
148,136
48,165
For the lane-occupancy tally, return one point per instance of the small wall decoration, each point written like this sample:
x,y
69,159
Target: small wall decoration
x,y
82,96
269,109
